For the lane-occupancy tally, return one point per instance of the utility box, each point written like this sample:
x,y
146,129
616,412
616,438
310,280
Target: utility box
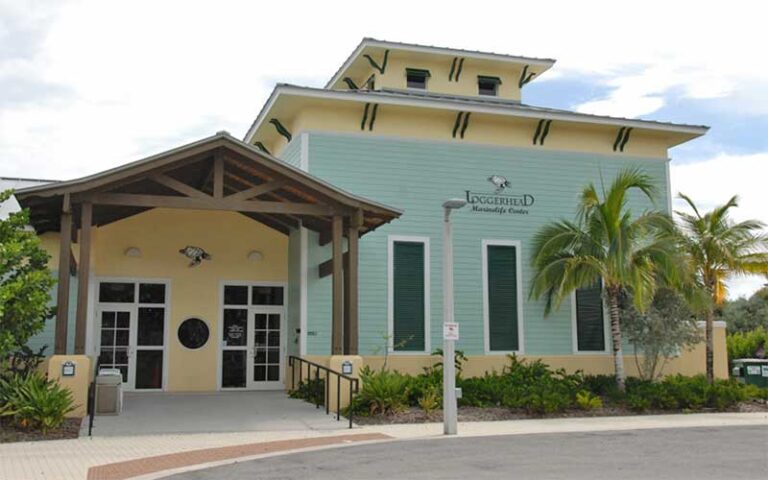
x,y
753,371
109,392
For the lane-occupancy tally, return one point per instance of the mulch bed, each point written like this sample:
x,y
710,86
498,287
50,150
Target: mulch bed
x,y
478,414
11,433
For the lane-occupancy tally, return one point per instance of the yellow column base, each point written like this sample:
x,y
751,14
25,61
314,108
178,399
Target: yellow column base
x,y
336,363
77,384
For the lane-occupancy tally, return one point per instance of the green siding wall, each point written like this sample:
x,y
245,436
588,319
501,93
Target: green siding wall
x,y
417,176
291,154
48,334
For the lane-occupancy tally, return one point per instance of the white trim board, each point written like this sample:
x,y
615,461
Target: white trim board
x,y
391,239
485,243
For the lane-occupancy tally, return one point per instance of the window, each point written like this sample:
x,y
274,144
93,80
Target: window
x,y
502,290
416,78
193,333
409,294
589,320
488,86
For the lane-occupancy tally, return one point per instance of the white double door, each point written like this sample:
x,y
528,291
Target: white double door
x,y
253,348
132,340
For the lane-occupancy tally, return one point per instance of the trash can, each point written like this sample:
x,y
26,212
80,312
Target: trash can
x,y
109,392
753,371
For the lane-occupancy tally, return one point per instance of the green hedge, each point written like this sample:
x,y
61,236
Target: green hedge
x,y
746,344
536,389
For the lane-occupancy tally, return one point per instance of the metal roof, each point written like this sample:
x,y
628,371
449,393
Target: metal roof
x,y
372,42
479,104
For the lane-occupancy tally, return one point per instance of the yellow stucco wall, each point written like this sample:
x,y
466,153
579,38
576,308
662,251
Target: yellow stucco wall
x,y
439,68
433,124
690,362
159,234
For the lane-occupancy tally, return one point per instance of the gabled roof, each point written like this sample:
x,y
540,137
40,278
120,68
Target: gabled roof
x,y
543,64
192,165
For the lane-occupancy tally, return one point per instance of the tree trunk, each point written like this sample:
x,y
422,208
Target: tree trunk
x,y
618,357
710,346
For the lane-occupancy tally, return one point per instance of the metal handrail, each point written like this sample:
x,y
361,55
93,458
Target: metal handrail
x,y
92,398
354,383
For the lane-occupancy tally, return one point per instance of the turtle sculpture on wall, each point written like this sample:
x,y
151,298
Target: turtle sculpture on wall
x,y
196,254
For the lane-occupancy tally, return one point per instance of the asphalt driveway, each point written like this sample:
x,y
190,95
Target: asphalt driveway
x,y
685,453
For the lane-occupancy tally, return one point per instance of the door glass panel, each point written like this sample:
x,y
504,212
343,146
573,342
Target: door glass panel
x,y
233,369
152,293
123,320
266,336
151,328
235,324
114,337
149,369
266,295
117,292
235,295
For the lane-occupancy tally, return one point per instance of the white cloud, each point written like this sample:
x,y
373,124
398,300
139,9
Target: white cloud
x,y
713,182
125,79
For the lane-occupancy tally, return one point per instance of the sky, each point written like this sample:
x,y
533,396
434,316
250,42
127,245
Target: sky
x,y
88,85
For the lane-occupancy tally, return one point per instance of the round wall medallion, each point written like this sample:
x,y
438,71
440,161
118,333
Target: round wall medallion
x,y
193,333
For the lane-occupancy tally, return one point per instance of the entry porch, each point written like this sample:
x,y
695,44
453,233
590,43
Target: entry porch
x,y
148,413
136,326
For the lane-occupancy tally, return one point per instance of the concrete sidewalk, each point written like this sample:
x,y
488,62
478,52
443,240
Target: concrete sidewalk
x,y
72,459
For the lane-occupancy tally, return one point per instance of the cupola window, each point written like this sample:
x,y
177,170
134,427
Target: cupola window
x,y
416,78
488,86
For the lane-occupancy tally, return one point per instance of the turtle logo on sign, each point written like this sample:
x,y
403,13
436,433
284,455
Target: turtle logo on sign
x,y
500,182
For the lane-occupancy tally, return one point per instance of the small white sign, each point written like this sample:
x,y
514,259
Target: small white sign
x,y
450,331
753,369
765,370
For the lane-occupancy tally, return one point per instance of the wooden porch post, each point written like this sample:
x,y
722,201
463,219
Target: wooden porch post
x,y
338,306
351,280
86,220
62,293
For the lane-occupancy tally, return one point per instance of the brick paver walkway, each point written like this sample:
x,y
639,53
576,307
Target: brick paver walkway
x,y
144,466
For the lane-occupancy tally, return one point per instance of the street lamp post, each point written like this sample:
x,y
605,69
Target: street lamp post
x,y
450,413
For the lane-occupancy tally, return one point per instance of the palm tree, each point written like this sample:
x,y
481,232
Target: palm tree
x,y
606,244
718,248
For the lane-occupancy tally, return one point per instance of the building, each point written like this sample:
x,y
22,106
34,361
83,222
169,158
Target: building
x,y
319,234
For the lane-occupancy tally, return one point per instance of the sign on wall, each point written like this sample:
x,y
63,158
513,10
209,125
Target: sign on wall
x,y
501,201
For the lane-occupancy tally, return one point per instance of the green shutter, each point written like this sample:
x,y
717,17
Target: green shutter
x,y
408,296
502,298
590,331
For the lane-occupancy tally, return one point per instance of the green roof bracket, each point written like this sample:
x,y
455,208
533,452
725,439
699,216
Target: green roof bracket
x,y
365,116
381,68
622,137
457,123
261,147
458,72
350,83
525,77
542,130
281,129
465,124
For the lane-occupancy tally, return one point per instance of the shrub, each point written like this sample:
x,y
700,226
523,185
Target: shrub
x,y
430,401
588,401
638,403
35,402
485,391
746,344
312,390
383,392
